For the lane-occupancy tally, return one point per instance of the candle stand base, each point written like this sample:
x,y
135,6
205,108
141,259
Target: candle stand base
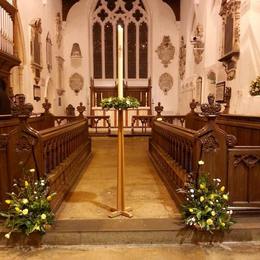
x,y
124,213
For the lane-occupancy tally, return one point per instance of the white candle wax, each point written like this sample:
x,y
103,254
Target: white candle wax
x,y
120,61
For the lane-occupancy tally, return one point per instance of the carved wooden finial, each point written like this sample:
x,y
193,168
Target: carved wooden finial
x,y
211,109
193,105
159,109
20,109
81,109
70,110
47,106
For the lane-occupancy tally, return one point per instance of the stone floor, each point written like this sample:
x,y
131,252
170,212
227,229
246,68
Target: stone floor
x,y
245,251
95,192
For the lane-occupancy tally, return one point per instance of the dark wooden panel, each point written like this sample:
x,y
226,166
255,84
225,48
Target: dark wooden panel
x,y
244,176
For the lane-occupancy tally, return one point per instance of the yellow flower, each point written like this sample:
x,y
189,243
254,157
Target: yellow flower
x,y
222,188
8,201
212,196
49,198
213,213
202,199
7,235
37,227
190,210
32,170
225,196
200,162
202,186
43,216
25,211
223,224
17,209
26,184
209,221
25,201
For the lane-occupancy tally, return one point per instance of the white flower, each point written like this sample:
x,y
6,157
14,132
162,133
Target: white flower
x,y
200,162
25,211
25,201
216,200
127,102
218,180
187,199
36,183
230,212
7,235
193,219
192,195
192,190
35,192
32,170
42,183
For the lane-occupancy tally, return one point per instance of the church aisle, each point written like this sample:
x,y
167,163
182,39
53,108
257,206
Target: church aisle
x,y
95,192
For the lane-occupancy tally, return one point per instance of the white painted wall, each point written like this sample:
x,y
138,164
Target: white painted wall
x,y
29,10
206,12
77,29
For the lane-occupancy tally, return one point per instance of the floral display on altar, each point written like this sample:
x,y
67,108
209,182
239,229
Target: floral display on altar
x,y
120,103
29,208
206,206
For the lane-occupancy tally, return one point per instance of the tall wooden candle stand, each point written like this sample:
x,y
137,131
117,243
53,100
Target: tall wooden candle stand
x,y
121,209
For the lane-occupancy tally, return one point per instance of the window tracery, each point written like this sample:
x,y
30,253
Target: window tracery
x,y
132,15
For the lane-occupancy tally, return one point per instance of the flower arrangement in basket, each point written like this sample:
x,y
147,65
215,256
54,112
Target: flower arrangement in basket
x,y
29,207
255,87
119,103
206,206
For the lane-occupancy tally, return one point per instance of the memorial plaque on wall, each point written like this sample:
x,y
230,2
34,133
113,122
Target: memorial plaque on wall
x,y
220,91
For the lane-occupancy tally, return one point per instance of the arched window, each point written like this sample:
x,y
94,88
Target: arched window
x,y
132,15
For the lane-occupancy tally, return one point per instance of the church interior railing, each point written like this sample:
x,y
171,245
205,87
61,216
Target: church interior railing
x,y
60,152
175,151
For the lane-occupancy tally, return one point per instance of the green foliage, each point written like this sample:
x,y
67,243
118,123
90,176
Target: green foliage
x,y
29,207
206,206
119,103
255,87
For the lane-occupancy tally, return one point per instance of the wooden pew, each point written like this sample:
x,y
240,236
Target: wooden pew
x,y
59,153
245,128
176,150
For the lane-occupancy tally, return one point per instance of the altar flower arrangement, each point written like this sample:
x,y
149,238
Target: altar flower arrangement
x,y
255,87
206,206
29,207
119,103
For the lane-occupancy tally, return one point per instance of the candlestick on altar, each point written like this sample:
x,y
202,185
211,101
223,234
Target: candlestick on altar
x,y
121,210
